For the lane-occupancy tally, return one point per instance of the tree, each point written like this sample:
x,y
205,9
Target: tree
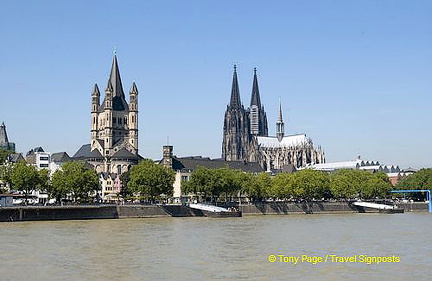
x,y
213,183
377,185
282,186
151,180
73,178
5,171
419,180
4,153
125,190
309,184
351,183
258,187
346,183
24,178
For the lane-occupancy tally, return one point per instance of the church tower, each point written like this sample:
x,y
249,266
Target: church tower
x,y
280,124
257,115
236,133
114,123
4,141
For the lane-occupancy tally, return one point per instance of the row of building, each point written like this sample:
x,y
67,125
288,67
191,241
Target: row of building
x,y
246,144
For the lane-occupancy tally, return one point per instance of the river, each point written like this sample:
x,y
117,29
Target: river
x,y
219,249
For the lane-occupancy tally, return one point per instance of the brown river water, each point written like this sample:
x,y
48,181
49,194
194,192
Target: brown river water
x,y
221,249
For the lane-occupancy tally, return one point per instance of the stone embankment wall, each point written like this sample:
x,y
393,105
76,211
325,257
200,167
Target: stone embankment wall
x,y
141,211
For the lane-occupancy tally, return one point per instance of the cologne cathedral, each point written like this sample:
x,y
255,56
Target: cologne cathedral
x,y
245,135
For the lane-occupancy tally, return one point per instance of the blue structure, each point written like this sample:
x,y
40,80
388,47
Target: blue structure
x,y
428,195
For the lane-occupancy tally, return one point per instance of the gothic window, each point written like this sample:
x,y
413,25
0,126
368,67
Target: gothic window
x,y
118,169
133,119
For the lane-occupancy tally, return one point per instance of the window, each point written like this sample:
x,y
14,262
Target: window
x,y
185,178
44,158
125,120
114,120
43,165
119,120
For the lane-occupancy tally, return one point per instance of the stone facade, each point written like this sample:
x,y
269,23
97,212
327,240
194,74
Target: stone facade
x,y
113,144
4,141
245,135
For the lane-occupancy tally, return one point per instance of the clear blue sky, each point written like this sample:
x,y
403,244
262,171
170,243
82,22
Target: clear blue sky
x,y
355,76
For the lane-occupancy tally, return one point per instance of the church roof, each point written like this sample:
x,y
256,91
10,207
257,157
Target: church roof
x,y
115,85
133,89
84,153
287,141
191,163
125,154
115,79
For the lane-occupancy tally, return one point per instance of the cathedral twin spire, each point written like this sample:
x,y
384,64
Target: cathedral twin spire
x,y
256,112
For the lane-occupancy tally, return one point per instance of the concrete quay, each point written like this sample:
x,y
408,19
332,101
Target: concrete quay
x,y
41,213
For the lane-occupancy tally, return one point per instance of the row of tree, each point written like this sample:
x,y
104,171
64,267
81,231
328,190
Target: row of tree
x,y
419,180
80,183
151,181
74,180
305,184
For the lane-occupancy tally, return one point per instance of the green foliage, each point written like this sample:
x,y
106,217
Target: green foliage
x,y
215,182
377,185
151,180
44,180
24,178
4,153
258,186
5,171
73,178
305,184
358,183
419,180
282,186
125,190
347,183
310,184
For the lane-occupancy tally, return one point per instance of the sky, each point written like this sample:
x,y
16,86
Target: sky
x,y
355,76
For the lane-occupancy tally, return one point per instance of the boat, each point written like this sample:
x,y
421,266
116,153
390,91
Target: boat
x,y
382,208
395,210
215,211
